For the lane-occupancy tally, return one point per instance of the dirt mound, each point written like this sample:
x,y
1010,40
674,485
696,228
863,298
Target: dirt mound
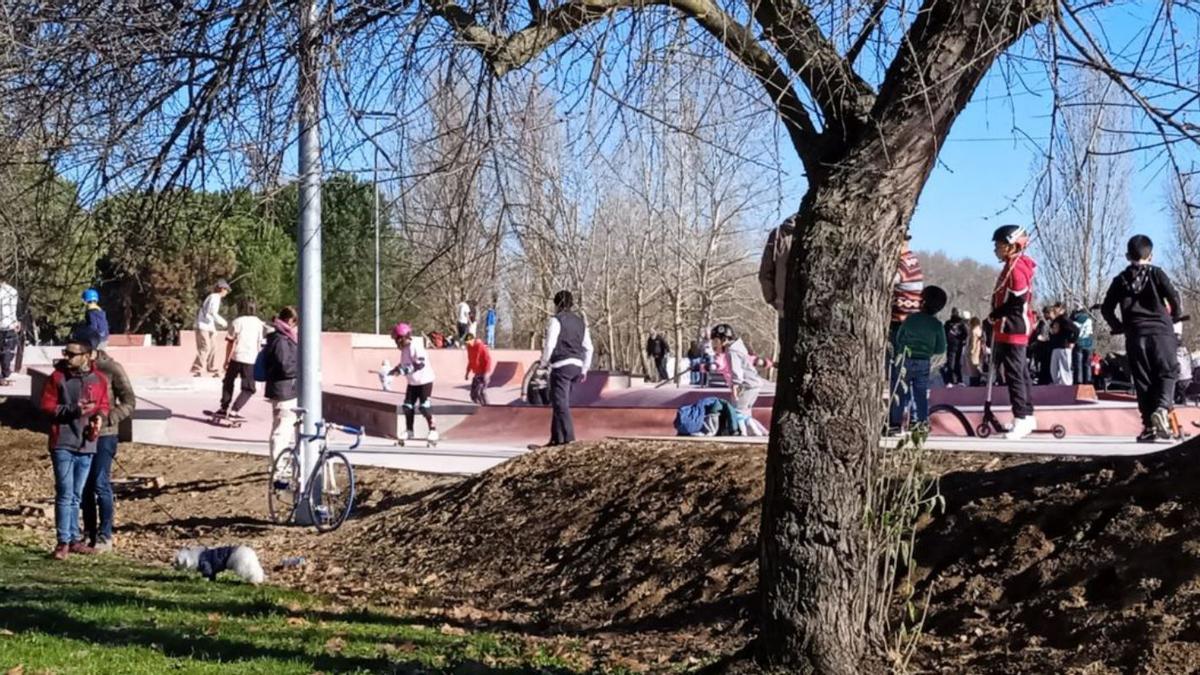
x,y
1088,567
607,537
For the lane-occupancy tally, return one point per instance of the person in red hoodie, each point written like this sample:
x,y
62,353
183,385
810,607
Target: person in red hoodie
x,y
75,399
479,365
1013,320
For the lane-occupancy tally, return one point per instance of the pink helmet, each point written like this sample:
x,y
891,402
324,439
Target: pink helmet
x,y
401,330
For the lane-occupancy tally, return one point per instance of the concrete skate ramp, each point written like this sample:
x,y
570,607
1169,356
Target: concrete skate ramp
x,y
531,424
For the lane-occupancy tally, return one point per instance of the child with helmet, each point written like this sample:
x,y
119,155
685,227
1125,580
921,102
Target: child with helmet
x,y
414,365
744,380
95,317
1013,321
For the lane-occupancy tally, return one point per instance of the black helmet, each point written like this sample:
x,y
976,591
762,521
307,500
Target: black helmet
x,y
1011,234
723,331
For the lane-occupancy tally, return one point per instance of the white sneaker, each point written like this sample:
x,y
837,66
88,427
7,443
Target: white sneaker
x,y
1022,427
433,436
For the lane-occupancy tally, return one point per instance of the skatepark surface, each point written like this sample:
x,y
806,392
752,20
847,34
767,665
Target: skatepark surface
x,y
475,438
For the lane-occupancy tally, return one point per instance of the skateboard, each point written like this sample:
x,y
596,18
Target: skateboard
x,y
430,441
219,419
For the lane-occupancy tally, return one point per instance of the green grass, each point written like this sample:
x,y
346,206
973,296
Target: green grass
x,y
103,614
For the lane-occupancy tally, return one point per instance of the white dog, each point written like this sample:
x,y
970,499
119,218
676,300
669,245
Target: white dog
x,y
241,560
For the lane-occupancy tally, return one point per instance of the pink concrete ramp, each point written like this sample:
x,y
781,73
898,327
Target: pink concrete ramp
x,y
531,424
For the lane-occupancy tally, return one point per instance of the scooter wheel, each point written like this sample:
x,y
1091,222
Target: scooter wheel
x,y
983,430
1059,431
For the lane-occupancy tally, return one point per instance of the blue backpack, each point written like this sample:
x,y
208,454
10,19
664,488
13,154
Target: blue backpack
x,y
689,419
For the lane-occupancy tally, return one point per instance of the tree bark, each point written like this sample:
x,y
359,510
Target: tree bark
x,y
815,581
828,408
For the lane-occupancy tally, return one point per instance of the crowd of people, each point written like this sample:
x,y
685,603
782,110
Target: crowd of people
x,y
89,395
1015,346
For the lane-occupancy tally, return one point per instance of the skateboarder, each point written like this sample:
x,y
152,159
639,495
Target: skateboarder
x,y
414,364
208,322
479,368
245,339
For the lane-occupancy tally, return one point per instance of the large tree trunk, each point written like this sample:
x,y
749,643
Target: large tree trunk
x,y
828,411
816,583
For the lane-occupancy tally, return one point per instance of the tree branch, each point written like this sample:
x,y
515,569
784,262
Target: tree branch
x,y
506,53
843,96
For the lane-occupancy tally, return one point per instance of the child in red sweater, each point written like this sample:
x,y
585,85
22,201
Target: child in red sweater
x,y
479,368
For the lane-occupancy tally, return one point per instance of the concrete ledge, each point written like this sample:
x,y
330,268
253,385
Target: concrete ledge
x,y
380,413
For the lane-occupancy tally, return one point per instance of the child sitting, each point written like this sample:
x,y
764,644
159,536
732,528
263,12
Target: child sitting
x,y
920,338
1149,309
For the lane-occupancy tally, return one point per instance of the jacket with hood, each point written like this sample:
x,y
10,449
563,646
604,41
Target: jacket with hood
x,y
121,398
282,360
772,270
1143,292
1012,302
61,399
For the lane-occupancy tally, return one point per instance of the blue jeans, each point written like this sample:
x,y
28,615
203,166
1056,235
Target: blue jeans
x,y
490,332
70,473
97,491
916,393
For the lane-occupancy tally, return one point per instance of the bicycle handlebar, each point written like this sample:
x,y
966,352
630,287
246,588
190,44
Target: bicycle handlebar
x,y
323,428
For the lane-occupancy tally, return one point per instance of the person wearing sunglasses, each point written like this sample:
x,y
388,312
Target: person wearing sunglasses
x,y
75,399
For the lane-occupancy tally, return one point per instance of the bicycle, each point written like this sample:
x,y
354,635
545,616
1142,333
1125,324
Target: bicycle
x,y
332,474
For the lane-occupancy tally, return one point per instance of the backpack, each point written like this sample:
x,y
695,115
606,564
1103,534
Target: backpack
x,y
689,419
260,366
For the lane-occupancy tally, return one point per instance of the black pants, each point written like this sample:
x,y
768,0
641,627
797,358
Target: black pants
x,y
1011,359
8,352
417,396
235,370
1154,368
562,428
954,358
462,330
479,389
660,364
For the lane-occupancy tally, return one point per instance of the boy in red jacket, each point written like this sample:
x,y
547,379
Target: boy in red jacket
x,y
75,399
1013,321
479,364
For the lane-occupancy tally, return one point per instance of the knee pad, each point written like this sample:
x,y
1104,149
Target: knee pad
x,y
408,407
426,405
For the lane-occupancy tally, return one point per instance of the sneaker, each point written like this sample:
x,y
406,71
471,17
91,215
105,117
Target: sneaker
x,y
1022,427
234,415
81,548
103,545
433,436
61,552
1160,421
1148,435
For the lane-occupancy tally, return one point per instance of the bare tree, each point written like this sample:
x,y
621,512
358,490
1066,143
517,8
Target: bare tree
x,y
1081,207
865,93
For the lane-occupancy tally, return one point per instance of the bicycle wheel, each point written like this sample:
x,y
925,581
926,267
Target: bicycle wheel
x,y
331,494
283,487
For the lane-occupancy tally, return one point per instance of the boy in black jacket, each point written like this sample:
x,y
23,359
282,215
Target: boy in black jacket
x,y
1149,309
